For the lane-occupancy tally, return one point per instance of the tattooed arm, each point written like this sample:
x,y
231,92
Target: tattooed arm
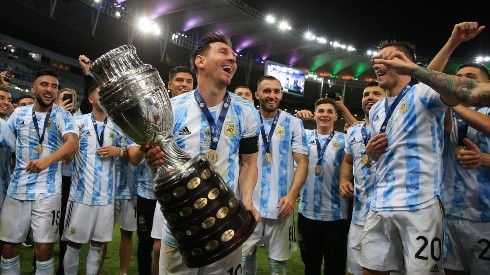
x,y
455,89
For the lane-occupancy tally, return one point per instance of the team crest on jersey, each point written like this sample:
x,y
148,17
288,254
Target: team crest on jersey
x,y
231,129
73,230
280,131
336,145
403,107
207,133
112,135
49,125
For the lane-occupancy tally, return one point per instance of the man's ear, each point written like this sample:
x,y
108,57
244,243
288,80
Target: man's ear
x,y
199,61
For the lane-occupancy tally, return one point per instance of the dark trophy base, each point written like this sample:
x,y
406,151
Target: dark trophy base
x,y
203,214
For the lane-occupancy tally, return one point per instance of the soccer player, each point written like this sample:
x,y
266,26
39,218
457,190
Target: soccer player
x,y
215,63
405,216
45,136
91,201
322,212
282,143
357,175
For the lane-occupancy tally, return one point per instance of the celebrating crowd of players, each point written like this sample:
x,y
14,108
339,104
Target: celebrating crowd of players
x,y
416,167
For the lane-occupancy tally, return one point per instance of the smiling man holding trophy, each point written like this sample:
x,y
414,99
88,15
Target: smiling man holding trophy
x,y
199,176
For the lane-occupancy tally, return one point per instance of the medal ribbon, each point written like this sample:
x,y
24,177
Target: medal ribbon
x,y
390,111
214,127
366,136
462,127
321,149
101,138
45,124
267,140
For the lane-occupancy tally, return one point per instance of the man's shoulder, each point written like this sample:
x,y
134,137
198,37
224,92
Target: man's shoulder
x,y
181,99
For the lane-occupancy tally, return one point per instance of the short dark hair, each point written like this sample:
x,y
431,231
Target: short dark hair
x,y
49,72
3,89
326,100
405,47
243,86
22,96
267,77
372,84
203,46
179,69
482,68
92,88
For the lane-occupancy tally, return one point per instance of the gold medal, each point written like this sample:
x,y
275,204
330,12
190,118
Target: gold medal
x,y
39,148
365,159
458,149
212,156
318,169
268,157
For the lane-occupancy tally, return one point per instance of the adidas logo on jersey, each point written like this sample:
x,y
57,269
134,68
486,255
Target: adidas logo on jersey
x,y
435,268
312,142
184,132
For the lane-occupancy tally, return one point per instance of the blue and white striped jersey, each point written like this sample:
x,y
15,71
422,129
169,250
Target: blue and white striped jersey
x,y
67,169
363,174
94,178
320,196
31,186
7,145
126,180
7,136
409,172
275,179
192,134
146,178
466,192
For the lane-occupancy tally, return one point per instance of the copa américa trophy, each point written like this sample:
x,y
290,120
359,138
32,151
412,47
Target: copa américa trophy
x,y
202,213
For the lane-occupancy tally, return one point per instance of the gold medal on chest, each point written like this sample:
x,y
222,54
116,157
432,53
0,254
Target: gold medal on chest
x,y
268,157
365,159
39,148
212,156
318,169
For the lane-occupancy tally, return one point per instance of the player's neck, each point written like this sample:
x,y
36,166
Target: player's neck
x,y
366,119
399,87
324,130
267,114
40,108
99,116
212,96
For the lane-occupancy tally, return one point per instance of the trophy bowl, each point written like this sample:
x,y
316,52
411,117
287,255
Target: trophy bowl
x,y
202,213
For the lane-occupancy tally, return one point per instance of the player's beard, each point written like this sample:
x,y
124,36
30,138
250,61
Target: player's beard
x,y
264,105
41,102
98,107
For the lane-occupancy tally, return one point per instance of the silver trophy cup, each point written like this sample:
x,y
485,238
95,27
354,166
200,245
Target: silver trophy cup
x,y
202,213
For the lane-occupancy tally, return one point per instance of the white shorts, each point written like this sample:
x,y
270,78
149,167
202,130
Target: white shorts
x,y
393,240
278,237
126,211
354,249
84,223
171,263
467,246
42,215
158,221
